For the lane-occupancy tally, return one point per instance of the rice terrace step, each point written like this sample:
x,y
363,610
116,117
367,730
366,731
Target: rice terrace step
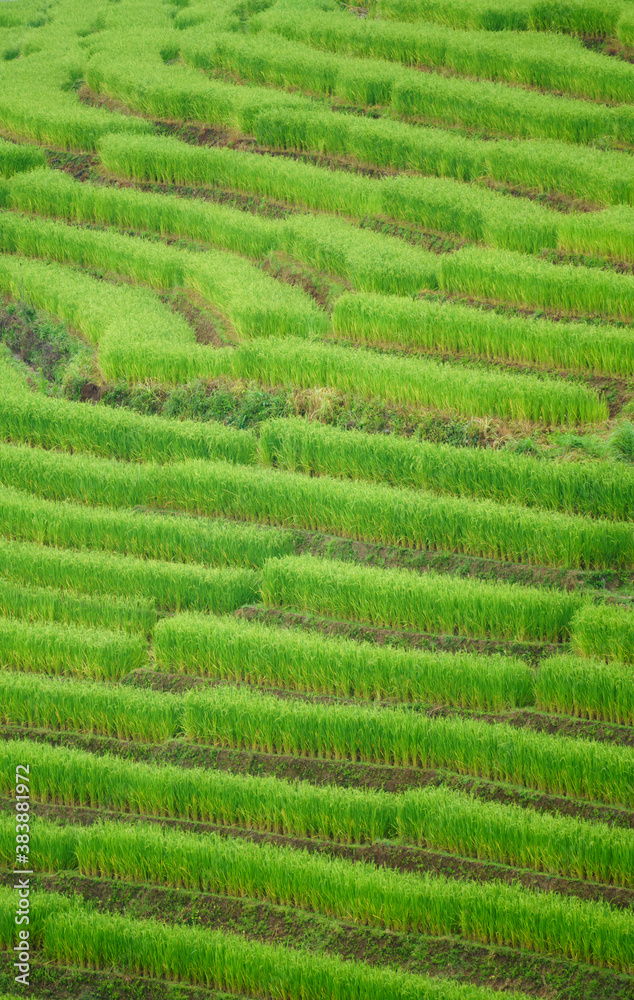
x,y
317,499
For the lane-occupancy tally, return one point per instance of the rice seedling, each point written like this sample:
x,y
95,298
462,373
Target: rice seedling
x,y
270,59
15,158
172,585
147,535
499,752
373,511
447,326
574,488
53,605
415,382
590,689
583,17
605,631
550,62
49,422
438,203
238,650
68,649
291,121
427,603
440,819
337,888
78,936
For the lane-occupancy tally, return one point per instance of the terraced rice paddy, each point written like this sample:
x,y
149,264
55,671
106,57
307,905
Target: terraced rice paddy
x,y
317,499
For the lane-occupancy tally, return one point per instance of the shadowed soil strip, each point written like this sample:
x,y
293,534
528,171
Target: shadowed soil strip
x,y
392,855
343,774
542,722
285,618
500,968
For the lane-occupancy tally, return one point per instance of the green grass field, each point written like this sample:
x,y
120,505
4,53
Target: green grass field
x,y
317,499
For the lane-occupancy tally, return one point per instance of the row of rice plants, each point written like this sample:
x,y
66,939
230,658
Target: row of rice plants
x,y
238,650
172,585
436,817
53,605
74,650
290,121
581,17
15,158
332,245
55,422
372,511
134,533
296,445
255,303
433,602
131,349
267,59
415,382
430,602
475,212
573,487
328,244
244,719
446,326
605,631
551,62
506,914
74,935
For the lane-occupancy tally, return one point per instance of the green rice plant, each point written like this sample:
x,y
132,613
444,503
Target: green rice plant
x,y
476,213
81,706
605,631
41,420
608,233
582,17
270,59
625,26
447,326
239,650
428,603
172,585
559,63
513,277
601,490
290,121
68,649
82,937
415,382
255,303
335,887
184,539
245,719
329,244
436,817
50,604
15,158
590,689
437,203
372,511
118,320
